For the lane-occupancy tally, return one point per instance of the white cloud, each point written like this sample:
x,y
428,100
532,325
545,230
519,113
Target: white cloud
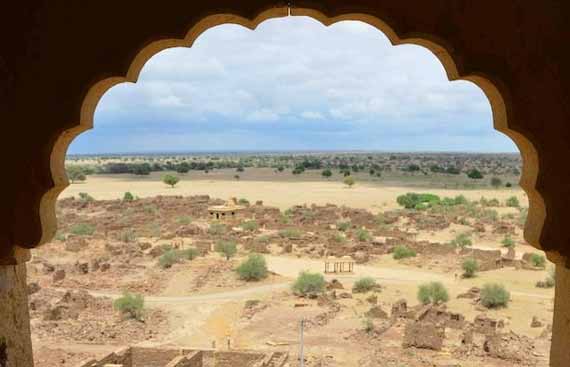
x,y
263,115
312,115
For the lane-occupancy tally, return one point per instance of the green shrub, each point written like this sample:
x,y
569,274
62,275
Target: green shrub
x,y
343,226
362,235
263,239
549,281
368,324
433,292
458,200
413,200
217,229
85,197
474,174
184,220
253,268
226,248
130,305
243,201
513,202
537,260
59,236
128,197
189,254
402,252
127,235
470,267
168,258
490,214
496,182
508,241
150,209
290,233
82,229
339,238
349,181
249,225
462,240
364,285
308,282
494,295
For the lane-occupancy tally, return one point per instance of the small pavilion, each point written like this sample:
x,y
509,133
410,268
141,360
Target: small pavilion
x,y
336,265
229,209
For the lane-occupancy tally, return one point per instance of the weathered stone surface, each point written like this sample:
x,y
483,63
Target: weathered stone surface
x,y
15,340
376,312
424,335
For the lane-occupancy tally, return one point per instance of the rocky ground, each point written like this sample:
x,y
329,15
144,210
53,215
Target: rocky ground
x,y
107,247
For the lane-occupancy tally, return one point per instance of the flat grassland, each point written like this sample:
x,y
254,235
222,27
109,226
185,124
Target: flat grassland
x,y
283,190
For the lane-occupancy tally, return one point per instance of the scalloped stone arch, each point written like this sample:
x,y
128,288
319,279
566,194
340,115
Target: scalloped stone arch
x,y
496,93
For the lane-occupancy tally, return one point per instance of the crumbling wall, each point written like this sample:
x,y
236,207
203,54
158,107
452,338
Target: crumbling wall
x,y
194,359
233,359
425,335
153,357
15,339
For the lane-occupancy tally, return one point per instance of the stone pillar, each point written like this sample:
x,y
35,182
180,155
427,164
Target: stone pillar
x,y
15,338
560,349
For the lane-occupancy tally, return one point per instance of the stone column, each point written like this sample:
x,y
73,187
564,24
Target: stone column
x,y
15,338
560,349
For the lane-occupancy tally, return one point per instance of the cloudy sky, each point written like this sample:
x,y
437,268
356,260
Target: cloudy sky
x,y
293,84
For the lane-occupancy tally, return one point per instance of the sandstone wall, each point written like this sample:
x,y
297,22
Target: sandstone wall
x,y
15,340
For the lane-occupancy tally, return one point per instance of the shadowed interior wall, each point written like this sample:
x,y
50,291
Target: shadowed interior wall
x,y
59,56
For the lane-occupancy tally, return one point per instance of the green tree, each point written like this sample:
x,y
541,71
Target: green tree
x,y
253,268
170,180
537,260
349,181
496,182
326,173
470,267
462,240
76,173
128,197
474,174
226,248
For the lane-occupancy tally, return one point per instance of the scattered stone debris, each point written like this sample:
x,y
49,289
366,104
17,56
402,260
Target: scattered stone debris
x,y
424,335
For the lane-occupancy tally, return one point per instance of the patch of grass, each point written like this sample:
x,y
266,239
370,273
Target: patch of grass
x,y
338,238
217,229
253,268
508,241
462,240
131,305
513,202
85,197
82,229
343,226
249,225
127,236
184,220
308,282
402,252
494,295
537,260
362,235
291,233
433,292
364,285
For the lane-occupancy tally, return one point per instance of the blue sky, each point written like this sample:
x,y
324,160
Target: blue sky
x,y
293,84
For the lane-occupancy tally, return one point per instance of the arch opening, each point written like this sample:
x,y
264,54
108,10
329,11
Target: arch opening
x,y
453,73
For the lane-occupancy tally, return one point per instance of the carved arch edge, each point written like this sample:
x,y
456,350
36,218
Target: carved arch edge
x,y
495,91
